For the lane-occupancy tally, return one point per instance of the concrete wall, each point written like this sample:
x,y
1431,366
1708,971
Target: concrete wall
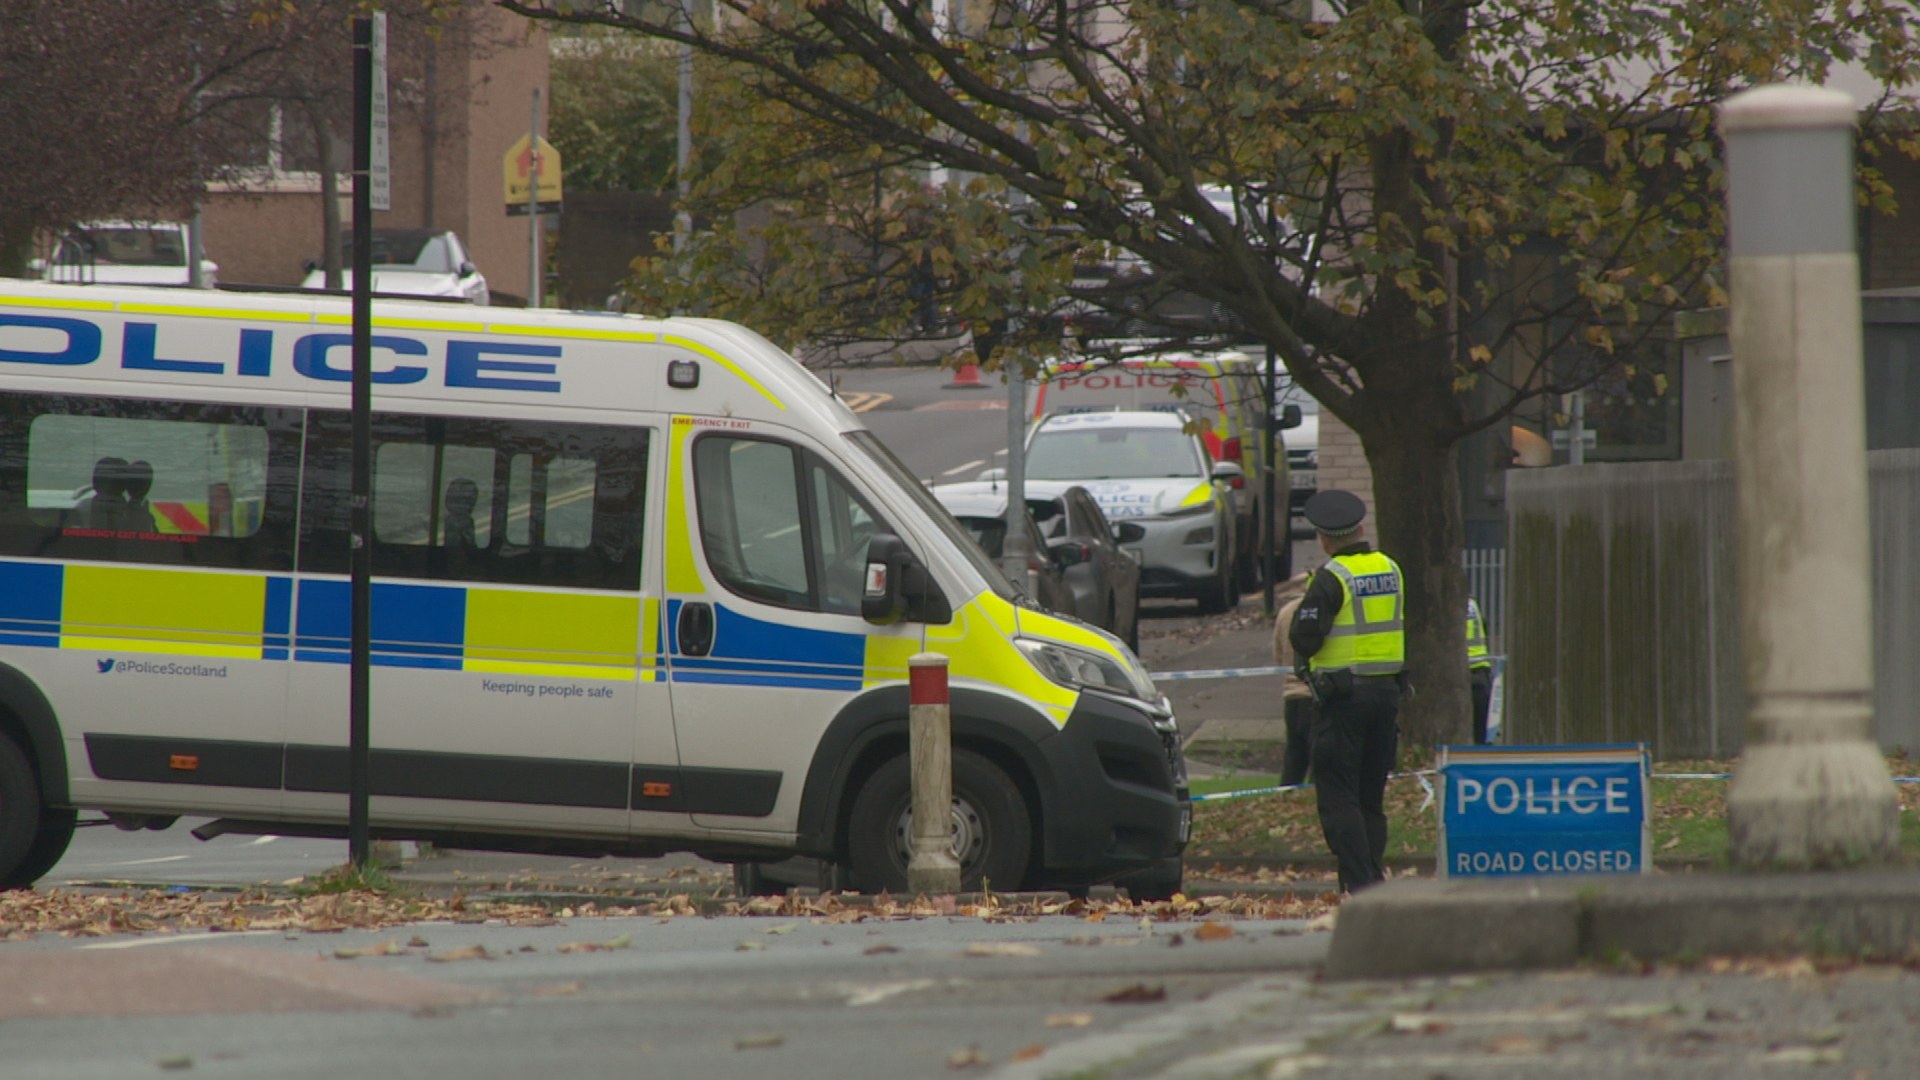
x,y
1623,618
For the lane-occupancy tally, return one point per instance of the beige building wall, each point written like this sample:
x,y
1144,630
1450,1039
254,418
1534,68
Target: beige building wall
x,y
475,104
1343,464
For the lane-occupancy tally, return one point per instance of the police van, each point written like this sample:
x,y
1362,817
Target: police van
x,y
639,585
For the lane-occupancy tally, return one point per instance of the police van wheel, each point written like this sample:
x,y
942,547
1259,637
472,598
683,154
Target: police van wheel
x,y
20,816
992,831
49,844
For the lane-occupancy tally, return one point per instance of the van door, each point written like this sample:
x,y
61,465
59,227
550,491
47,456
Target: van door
x,y
765,565
514,675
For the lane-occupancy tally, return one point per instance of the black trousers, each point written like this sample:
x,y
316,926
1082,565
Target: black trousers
x,y
1300,713
1480,681
1355,740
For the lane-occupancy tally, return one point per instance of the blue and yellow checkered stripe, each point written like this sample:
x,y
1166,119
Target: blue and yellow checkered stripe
x,y
253,617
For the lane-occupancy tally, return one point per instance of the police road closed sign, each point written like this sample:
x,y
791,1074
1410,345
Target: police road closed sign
x,y
1528,810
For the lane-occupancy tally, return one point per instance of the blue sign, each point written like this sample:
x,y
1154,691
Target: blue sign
x,y
1522,810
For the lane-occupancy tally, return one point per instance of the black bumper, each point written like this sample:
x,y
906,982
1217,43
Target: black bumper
x,y
1119,800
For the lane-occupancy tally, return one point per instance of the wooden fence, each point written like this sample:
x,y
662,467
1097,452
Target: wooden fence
x,y
1623,620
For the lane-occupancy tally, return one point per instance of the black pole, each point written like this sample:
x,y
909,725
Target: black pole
x,y
361,558
1273,434
1286,519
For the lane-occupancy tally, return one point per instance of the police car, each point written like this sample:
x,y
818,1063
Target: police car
x,y
1150,468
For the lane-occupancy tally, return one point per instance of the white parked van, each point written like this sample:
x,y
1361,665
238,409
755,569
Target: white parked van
x,y
639,586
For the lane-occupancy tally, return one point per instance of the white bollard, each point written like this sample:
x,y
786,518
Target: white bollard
x,y
1811,789
932,869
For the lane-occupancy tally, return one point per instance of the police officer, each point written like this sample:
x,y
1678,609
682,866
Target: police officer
x,y
1348,628
1479,671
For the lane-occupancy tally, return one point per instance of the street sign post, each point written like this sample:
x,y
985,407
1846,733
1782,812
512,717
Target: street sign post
x,y
1510,811
520,168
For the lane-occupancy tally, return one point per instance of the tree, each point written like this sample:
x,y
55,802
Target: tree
x,y
132,107
99,94
1439,209
615,120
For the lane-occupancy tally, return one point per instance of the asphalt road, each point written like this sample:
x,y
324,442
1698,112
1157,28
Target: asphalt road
x,y
714,998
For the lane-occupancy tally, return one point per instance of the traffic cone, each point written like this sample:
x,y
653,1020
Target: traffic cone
x,y
967,378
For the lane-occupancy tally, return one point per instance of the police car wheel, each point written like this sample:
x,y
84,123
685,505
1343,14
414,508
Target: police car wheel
x,y
20,813
1218,594
1158,882
992,830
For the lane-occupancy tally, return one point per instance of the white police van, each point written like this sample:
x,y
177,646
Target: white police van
x,y
621,600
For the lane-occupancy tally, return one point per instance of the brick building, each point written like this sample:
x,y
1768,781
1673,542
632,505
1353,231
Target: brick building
x,y
448,145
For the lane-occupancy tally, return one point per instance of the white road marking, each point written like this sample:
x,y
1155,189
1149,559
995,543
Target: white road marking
x,y
258,840
151,862
176,939
957,469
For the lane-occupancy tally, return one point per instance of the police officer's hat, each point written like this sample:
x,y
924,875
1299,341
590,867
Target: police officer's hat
x,y
1335,513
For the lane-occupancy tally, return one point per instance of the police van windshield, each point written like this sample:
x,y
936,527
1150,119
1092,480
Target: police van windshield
x,y
962,539
1113,453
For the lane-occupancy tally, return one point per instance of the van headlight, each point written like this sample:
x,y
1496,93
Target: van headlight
x,y
1083,668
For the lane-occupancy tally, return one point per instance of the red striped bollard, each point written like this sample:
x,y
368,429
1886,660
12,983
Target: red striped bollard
x,y
932,869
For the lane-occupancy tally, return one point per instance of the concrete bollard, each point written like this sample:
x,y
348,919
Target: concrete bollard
x,y
1811,789
932,869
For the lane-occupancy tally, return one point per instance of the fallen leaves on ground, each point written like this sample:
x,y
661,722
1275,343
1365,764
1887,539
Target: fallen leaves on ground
x,y
1137,994
93,912
970,1058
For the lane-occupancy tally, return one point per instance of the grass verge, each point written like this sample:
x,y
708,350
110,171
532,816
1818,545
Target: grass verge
x,y
1689,816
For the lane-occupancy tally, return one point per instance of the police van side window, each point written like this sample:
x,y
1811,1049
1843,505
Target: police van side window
x,y
779,526
173,483
750,525
475,499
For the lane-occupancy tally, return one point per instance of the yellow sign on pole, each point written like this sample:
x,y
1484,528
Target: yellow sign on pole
x,y
519,176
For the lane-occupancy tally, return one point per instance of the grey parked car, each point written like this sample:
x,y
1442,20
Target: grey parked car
x,y
1079,568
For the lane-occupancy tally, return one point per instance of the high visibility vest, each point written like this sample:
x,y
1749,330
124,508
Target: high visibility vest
x,y
1477,654
1368,636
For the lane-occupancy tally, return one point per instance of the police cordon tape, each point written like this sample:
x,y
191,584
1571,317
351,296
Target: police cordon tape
x,y
1422,774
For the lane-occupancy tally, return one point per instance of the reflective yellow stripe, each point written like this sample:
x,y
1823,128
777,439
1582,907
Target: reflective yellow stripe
x,y
694,346
636,336
887,655
683,574
185,311
565,635
979,648
64,305
431,324
166,611
1201,494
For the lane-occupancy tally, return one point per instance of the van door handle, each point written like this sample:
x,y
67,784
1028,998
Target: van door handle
x,y
695,631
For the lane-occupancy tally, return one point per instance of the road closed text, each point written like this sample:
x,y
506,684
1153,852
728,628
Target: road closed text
x,y
1561,861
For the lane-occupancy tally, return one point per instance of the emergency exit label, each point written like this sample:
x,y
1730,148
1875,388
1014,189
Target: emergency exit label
x,y
1543,810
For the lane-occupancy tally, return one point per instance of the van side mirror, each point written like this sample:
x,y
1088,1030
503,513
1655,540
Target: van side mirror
x,y
897,586
1289,417
467,269
1228,471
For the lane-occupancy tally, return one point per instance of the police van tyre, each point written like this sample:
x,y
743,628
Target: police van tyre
x,y
20,818
993,833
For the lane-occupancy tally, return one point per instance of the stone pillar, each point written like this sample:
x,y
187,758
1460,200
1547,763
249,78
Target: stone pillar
x,y
1812,788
